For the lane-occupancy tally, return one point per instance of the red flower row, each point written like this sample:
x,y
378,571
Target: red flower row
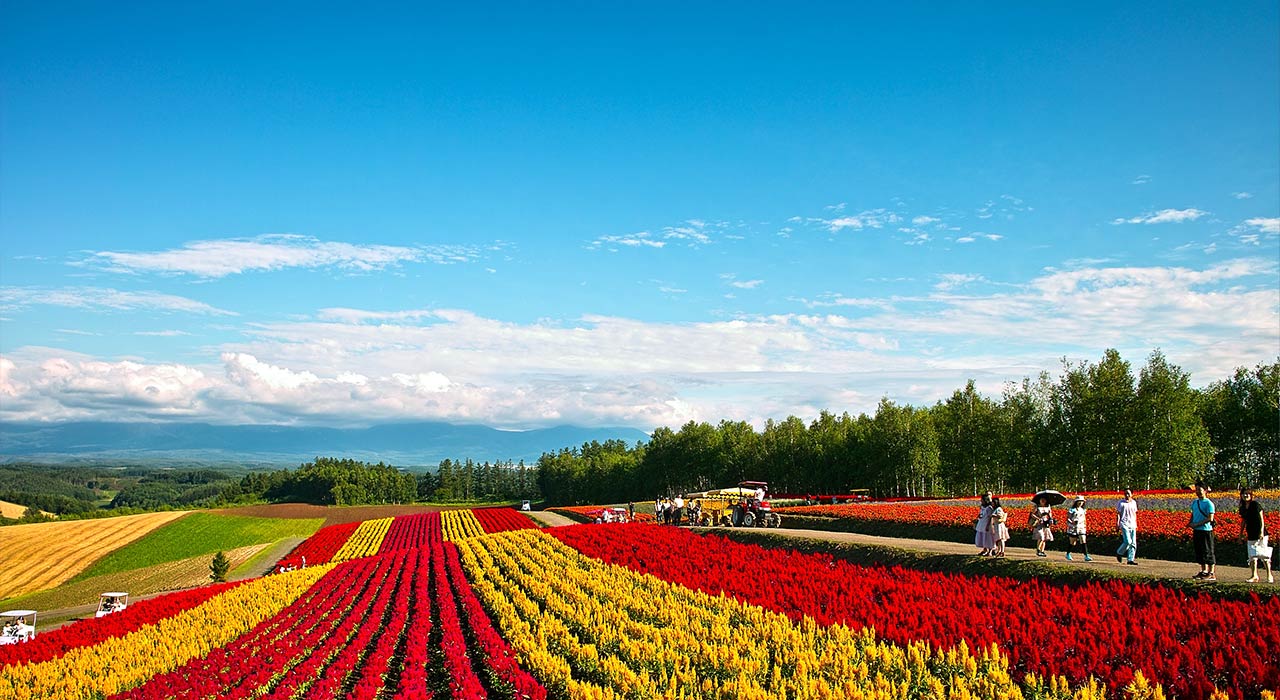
x,y
51,645
344,637
1188,643
275,645
502,519
411,532
318,548
1101,522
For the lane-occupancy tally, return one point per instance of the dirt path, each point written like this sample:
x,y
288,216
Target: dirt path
x,y
268,560
549,519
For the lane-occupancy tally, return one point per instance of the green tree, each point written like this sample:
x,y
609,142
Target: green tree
x,y
1242,415
1172,443
219,567
967,427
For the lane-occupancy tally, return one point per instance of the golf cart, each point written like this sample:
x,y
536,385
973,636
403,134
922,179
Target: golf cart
x,y
111,603
17,626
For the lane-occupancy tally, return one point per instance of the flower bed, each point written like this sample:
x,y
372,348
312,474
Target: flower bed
x,y
318,548
1162,534
50,645
1191,644
596,630
502,519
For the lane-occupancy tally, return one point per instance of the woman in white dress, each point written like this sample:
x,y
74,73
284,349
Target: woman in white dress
x,y
982,529
999,531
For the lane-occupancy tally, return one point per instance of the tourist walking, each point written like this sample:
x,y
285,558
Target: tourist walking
x,y
1078,528
1255,532
999,530
1040,520
982,528
1201,524
1127,524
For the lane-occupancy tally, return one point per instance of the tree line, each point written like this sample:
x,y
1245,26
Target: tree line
x,y
470,481
1096,426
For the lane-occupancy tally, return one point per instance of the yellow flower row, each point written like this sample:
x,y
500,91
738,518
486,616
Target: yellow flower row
x,y
588,629
459,525
121,663
365,541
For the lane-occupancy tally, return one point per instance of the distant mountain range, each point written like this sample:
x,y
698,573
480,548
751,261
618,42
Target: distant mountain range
x,y
404,444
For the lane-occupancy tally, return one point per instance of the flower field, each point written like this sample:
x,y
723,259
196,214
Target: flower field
x,y
1096,630
1169,526
481,604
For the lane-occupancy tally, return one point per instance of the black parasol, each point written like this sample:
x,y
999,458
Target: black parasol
x,y
1055,498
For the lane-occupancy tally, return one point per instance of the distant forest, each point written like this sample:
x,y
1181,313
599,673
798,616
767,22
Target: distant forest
x,y
89,492
1096,427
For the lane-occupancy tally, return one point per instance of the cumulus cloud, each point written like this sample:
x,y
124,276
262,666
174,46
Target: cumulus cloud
x,y
103,299
232,256
353,366
1164,216
1265,225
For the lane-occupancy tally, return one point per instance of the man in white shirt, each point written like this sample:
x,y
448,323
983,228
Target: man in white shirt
x,y
1127,524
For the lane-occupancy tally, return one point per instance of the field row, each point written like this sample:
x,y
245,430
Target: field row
x,y
385,535
1102,630
43,555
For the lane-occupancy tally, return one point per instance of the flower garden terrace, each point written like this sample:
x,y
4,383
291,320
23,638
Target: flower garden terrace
x,y
472,604
1162,520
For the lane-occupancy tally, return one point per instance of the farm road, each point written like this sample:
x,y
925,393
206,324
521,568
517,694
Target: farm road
x,y
548,518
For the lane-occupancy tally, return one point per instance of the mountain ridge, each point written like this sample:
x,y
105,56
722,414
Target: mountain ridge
x,y
396,443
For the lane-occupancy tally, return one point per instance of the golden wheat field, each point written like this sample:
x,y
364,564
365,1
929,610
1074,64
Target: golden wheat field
x,y
11,510
42,555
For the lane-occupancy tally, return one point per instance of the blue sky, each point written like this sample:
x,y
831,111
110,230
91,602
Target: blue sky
x,y
623,215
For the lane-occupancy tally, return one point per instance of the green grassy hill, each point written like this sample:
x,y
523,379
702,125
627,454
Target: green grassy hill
x,y
199,534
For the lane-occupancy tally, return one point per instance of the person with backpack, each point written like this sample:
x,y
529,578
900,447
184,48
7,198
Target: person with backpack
x,y
1201,524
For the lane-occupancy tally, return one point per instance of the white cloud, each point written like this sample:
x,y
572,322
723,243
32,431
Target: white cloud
x,y
1265,225
353,366
966,239
162,334
746,284
635,240
874,218
951,280
1242,195
925,220
1164,216
74,331
102,299
1141,180
231,256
